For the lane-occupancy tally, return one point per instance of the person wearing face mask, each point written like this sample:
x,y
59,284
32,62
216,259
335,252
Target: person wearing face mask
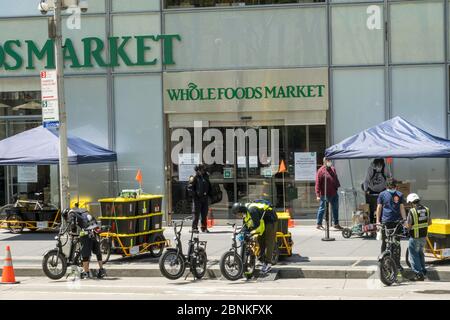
x,y
327,173
374,184
390,210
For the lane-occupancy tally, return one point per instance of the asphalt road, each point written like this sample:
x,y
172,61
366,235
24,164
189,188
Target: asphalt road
x,y
163,289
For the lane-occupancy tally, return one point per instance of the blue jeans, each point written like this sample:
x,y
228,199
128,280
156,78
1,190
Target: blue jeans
x,y
416,255
334,202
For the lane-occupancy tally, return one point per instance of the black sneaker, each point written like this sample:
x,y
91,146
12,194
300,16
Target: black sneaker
x,y
205,230
101,273
418,277
85,275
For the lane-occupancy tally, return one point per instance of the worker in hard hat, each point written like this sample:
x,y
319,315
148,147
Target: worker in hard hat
x,y
418,220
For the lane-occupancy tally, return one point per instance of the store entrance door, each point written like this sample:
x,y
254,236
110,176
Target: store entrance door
x,y
251,173
31,182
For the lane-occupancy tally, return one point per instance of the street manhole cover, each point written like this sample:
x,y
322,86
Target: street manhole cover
x,y
434,291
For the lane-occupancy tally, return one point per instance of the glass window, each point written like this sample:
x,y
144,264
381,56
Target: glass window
x,y
89,27
31,28
235,39
347,1
20,97
418,95
30,7
358,35
139,131
359,94
87,115
139,25
135,5
226,3
417,32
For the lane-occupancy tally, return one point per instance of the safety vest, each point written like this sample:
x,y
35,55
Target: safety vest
x,y
420,222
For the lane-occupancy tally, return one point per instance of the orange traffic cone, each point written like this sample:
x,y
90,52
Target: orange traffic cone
x,y
291,223
8,270
210,219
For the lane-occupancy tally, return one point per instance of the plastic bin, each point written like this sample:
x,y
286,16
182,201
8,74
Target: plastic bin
x,y
156,204
30,216
118,207
149,204
106,209
143,207
46,215
143,224
156,222
127,226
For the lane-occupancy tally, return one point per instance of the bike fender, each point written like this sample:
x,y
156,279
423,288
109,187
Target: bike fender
x,y
177,251
382,255
53,250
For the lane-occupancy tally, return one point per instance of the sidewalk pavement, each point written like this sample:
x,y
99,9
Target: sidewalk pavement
x,y
354,258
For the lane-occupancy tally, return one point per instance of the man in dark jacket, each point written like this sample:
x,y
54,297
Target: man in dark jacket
x,y
374,184
199,190
327,175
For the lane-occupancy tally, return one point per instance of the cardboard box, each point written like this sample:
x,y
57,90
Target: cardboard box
x,y
404,187
364,207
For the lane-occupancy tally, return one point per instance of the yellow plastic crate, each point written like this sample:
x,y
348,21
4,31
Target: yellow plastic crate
x,y
440,226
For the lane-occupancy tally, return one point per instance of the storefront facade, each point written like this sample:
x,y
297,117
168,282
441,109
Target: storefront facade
x,y
146,78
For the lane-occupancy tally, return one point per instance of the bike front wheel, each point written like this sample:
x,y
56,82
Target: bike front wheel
x,y
231,266
105,249
172,265
199,262
388,270
54,265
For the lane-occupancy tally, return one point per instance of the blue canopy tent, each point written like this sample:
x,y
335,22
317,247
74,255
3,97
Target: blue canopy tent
x,y
40,146
395,138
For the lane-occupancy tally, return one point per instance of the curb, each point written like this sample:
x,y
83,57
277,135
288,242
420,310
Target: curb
x,y
278,273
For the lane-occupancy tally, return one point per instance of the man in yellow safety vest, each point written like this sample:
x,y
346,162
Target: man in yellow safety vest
x,y
417,221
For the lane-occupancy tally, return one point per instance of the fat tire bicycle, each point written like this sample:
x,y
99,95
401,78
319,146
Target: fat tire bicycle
x,y
174,262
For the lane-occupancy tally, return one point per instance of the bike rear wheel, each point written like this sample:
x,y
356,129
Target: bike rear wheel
x,y
156,250
16,226
172,265
388,270
199,261
249,266
231,266
54,265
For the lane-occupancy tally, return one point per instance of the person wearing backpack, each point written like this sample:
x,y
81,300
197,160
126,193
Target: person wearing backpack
x,y
199,189
374,184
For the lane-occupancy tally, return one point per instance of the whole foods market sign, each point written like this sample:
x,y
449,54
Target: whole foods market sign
x,y
16,54
246,90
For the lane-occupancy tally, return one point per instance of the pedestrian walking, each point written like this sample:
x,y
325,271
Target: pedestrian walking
x,y
327,176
